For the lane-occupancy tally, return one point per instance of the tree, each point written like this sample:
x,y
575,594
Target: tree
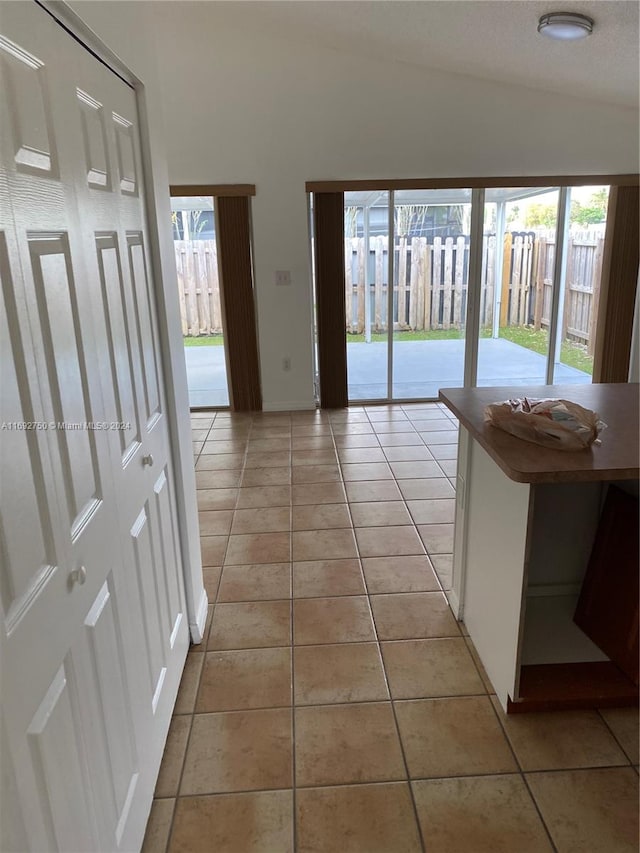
x,y
541,216
594,211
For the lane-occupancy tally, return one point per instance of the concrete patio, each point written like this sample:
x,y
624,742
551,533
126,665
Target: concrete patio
x,y
420,369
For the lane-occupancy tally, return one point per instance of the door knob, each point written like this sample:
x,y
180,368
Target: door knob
x,y
147,460
78,576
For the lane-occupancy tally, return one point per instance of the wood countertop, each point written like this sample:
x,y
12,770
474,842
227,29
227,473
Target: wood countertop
x,y
616,458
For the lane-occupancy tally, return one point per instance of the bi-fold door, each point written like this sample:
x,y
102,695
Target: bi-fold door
x,y
95,631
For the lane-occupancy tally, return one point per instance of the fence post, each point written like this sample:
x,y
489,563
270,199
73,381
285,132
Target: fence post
x,y
402,282
362,260
506,266
437,282
428,284
459,274
595,298
539,265
379,277
348,283
179,251
568,275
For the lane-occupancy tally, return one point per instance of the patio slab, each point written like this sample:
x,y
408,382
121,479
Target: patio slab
x,y
420,369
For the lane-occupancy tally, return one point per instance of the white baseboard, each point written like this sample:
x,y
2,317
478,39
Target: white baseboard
x,y
197,628
290,406
454,603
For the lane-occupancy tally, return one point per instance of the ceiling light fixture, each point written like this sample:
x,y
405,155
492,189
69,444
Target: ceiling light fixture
x,y
565,26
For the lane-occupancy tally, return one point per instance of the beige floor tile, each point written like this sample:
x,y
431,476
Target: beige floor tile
x,y
215,522
239,751
443,565
323,578
453,737
249,625
173,757
250,548
211,579
339,744
217,447
415,470
440,511
399,574
199,434
352,428
386,427
437,423
483,814
449,436
326,456
319,621
310,430
261,582
589,810
379,513
265,520
218,479
449,467
560,741
323,544
359,471
158,826
350,455
226,434
415,615
186,700
320,516
370,440
318,493
268,445
623,722
216,498
408,453
213,549
388,541
373,490
437,538
239,680
400,439
219,461
258,822
476,659
430,669
444,451
375,818
426,489
349,672
268,459
263,496
266,477
282,431
315,474
317,442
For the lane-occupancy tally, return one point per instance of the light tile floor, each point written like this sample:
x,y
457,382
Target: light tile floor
x,y
336,706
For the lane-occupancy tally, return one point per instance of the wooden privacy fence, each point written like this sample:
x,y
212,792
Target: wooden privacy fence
x,y
198,287
432,282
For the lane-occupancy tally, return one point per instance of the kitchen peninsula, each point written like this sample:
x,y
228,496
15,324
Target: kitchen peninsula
x,y
526,519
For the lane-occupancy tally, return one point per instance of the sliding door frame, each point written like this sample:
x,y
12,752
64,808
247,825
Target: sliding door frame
x,y
238,308
563,183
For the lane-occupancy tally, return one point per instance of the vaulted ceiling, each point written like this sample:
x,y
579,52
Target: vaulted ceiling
x,y
490,39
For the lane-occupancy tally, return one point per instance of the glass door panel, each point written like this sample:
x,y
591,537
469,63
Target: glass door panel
x,y
194,236
581,285
431,277
518,268
366,236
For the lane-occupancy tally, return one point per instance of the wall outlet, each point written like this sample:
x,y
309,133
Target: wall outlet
x,y
283,278
286,362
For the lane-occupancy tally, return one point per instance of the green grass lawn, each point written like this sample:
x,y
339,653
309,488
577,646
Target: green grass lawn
x,y
204,341
574,355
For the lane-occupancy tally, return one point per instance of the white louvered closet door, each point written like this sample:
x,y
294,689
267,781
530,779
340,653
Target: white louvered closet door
x,y
95,630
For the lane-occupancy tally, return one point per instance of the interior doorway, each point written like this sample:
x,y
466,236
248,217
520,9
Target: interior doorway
x,y
193,223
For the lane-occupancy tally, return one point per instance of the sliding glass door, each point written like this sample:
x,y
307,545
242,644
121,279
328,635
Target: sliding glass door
x,y
533,284
196,249
432,240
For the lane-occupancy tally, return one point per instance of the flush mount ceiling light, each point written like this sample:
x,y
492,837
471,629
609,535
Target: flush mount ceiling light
x,y
565,26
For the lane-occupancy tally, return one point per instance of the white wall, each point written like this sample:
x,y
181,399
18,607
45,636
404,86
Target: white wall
x,y
244,107
125,27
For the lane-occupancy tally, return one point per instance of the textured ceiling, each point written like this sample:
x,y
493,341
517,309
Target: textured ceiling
x,y
490,39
